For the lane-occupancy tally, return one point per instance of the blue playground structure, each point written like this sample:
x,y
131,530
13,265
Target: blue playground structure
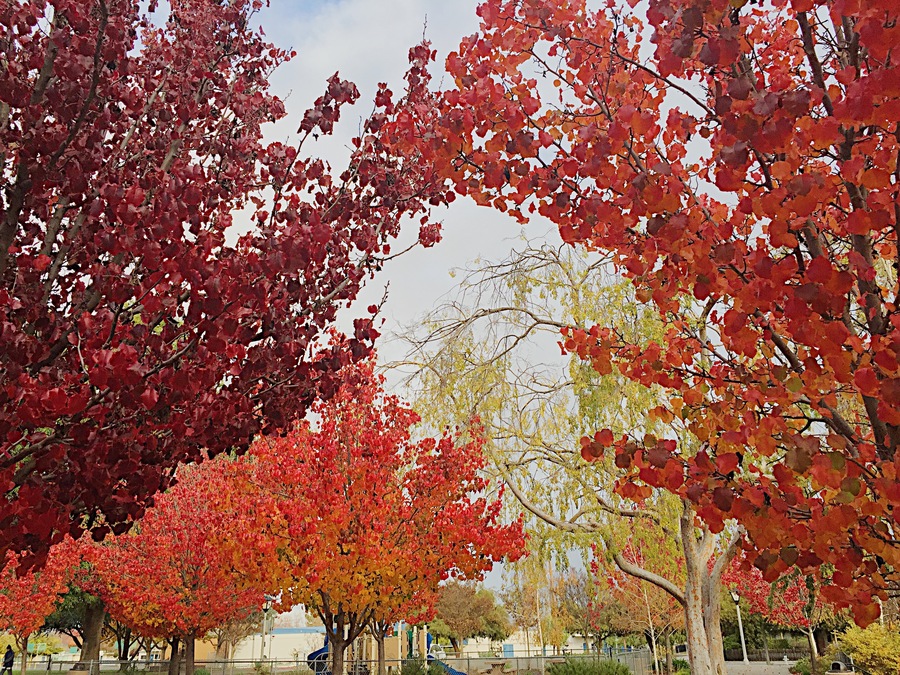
x,y
318,661
433,661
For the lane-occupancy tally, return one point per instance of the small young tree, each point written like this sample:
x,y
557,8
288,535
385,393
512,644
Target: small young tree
x,y
467,611
176,574
232,632
368,522
28,596
593,609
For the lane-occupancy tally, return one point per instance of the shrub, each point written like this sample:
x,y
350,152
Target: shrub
x,y
803,667
414,667
875,649
201,671
679,667
587,667
731,642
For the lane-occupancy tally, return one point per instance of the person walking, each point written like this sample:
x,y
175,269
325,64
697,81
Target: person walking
x,y
8,659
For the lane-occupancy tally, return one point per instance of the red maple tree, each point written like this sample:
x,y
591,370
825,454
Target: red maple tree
x,y
739,163
793,601
781,602
370,520
29,596
187,567
135,334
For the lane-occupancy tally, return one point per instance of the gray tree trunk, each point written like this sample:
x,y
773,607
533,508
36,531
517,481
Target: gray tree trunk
x,y
190,643
378,633
338,647
91,631
813,649
22,645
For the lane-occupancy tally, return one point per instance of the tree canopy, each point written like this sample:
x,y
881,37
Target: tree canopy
x,y
464,611
738,163
367,519
136,333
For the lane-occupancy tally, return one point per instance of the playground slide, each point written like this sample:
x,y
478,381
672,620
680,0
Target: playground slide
x,y
444,666
318,660
432,660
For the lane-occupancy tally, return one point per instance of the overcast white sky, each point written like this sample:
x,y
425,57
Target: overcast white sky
x,y
368,41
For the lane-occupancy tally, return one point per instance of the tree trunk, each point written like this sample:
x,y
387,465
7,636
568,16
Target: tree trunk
x,y
22,645
455,644
669,665
174,661
697,642
652,631
338,647
712,612
537,599
232,648
821,635
766,645
813,651
125,647
189,650
379,644
91,631
712,622
696,573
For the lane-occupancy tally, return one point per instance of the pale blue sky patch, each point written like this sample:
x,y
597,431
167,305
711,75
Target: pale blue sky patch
x,y
368,42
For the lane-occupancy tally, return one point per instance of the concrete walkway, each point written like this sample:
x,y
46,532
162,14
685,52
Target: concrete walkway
x,y
753,668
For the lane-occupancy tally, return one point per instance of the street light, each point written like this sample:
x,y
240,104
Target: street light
x,y
267,603
737,604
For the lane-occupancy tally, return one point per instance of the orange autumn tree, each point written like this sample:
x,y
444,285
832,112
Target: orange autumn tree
x,y
29,596
739,163
647,608
372,520
188,566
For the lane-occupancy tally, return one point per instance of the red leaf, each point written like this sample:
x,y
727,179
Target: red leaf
x,y
866,381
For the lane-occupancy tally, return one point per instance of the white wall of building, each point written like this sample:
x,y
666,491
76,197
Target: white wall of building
x,y
284,644
520,644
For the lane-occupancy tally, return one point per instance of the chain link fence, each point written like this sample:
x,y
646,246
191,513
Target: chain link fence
x,y
639,662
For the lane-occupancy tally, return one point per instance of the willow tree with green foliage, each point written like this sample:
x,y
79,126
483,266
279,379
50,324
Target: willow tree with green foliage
x,y
485,354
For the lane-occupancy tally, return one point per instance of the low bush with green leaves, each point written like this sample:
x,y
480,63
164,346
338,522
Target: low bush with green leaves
x,y
414,667
587,667
681,667
874,649
803,666
201,671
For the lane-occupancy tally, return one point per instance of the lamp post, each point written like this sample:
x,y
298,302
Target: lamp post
x,y
737,604
265,619
267,605
269,624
